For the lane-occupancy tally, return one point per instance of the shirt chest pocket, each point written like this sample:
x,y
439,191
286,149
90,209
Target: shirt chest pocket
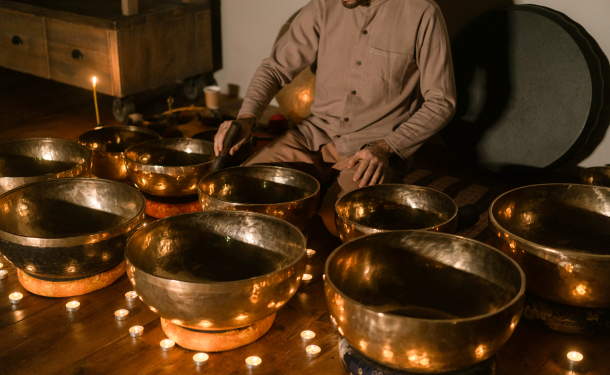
x,y
387,72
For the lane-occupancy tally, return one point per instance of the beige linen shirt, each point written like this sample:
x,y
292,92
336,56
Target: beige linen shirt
x,y
384,73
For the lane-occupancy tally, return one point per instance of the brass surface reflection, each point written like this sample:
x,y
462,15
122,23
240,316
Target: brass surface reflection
x,y
69,227
387,207
284,193
599,176
216,270
560,235
108,145
36,159
423,301
169,167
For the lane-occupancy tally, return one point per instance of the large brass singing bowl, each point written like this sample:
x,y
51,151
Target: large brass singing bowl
x,y
382,208
423,301
35,159
169,167
560,235
599,176
285,193
216,270
108,145
70,227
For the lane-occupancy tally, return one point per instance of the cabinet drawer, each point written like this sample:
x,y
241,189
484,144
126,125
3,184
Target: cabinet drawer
x,y
77,53
22,43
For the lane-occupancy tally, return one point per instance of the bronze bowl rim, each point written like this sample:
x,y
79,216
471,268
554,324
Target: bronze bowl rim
x,y
132,128
74,240
209,213
535,245
156,167
395,185
400,318
50,139
235,204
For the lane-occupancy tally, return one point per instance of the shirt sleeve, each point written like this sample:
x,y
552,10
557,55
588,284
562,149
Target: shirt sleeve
x,y
437,84
292,53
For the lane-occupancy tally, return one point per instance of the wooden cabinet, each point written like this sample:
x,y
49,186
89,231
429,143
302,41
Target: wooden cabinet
x,y
72,41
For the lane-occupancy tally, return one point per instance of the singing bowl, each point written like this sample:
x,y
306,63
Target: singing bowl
x,y
108,145
216,270
284,193
560,235
387,207
422,301
599,176
242,154
169,167
35,159
68,228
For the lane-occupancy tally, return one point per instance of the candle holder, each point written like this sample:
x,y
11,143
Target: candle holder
x,y
167,345
15,297
306,278
121,314
131,296
307,336
313,351
136,331
72,306
253,362
200,359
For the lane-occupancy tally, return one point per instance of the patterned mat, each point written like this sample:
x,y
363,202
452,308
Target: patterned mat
x,y
462,192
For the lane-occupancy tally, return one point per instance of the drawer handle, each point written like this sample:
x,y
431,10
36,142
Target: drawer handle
x,y
16,40
77,55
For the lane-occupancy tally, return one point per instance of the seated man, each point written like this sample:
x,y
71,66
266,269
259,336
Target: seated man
x,y
374,58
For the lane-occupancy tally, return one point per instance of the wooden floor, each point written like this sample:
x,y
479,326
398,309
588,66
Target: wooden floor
x,y
38,336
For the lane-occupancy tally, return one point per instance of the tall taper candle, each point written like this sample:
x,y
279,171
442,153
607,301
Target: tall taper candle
x,y
97,113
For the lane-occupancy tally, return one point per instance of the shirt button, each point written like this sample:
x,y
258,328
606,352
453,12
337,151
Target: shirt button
x,y
346,119
354,92
365,32
358,63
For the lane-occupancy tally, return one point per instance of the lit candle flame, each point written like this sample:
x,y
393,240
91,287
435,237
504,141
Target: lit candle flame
x,y
575,356
253,361
200,358
94,80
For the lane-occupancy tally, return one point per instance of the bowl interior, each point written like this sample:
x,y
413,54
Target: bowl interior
x,y
424,275
37,157
68,207
115,139
215,246
559,216
177,152
259,185
396,207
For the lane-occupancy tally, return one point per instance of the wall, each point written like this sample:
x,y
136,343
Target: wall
x,y
249,28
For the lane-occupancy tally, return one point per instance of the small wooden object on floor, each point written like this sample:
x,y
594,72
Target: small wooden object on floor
x,y
209,341
70,288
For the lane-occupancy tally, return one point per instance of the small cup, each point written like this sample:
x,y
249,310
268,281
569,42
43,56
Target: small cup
x,y
212,96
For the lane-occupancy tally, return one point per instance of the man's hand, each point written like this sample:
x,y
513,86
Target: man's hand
x,y
374,160
247,121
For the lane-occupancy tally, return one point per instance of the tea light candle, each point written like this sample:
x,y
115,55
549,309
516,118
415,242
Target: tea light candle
x,y
307,336
200,359
253,361
121,314
575,356
15,297
167,345
136,331
131,296
72,306
313,351
3,274
306,278
310,253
